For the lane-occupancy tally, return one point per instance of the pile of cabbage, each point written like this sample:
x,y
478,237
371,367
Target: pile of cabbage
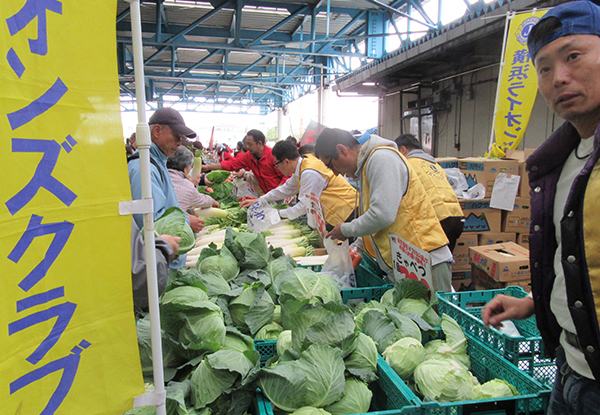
x,y
436,370
210,316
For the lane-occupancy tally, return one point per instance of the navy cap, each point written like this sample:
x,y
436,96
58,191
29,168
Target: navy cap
x,y
576,18
172,118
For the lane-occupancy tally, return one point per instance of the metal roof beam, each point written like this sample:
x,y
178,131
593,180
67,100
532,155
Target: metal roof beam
x,y
384,6
258,49
198,22
419,7
278,25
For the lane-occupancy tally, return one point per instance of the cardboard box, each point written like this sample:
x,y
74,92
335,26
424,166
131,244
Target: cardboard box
x,y
521,156
483,281
484,170
502,262
447,162
461,251
491,238
462,275
523,240
520,218
480,217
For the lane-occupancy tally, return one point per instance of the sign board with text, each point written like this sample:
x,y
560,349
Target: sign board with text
x,y
314,212
410,261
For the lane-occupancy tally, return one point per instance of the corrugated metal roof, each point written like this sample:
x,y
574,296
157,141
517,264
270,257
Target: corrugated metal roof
x,y
212,44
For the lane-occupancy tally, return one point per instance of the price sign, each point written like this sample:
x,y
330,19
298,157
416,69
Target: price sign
x,y
261,216
314,212
410,261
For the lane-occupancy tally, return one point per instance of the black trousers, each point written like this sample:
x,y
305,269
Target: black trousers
x,y
453,227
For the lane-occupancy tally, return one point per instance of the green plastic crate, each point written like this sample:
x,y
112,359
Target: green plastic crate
x,y
365,294
390,395
487,365
525,351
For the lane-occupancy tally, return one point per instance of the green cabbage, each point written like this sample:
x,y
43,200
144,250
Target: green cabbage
x,y
310,410
404,356
387,326
363,308
444,381
249,249
284,342
315,379
236,340
223,264
420,308
362,361
330,323
495,388
356,399
203,328
252,309
218,176
269,331
220,372
173,222
305,284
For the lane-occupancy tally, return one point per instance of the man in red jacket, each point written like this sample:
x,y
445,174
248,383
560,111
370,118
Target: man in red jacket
x,y
257,159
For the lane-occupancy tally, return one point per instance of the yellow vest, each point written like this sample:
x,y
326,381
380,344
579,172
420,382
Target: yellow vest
x,y
416,221
339,199
591,232
437,187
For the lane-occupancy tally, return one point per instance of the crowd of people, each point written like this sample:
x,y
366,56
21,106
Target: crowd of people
x,y
401,190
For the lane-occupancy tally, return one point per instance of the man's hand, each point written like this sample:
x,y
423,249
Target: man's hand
x,y
215,204
504,307
248,202
239,174
173,241
196,223
336,233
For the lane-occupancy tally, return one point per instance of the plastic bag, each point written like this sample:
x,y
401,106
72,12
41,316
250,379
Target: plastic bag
x,y
457,180
475,193
241,188
339,264
261,216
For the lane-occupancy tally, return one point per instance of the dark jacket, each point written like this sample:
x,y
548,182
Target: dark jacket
x,y
545,166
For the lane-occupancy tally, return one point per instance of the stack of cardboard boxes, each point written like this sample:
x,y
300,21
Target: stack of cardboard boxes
x,y
485,225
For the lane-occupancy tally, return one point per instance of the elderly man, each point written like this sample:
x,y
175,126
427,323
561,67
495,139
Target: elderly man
x,y
166,128
257,159
392,201
565,233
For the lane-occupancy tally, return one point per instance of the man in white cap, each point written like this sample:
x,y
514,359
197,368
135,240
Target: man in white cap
x,y
565,232
167,129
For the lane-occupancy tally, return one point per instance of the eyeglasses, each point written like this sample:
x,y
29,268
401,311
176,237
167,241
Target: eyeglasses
x,y
329,164
280,161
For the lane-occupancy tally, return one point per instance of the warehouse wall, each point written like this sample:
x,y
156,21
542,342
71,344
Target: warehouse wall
x,y
468,117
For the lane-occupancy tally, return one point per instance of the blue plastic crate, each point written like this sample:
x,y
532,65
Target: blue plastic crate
x,y
390,395
525,351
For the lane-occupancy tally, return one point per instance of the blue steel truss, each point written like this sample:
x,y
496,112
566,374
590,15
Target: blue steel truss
x,y
251,55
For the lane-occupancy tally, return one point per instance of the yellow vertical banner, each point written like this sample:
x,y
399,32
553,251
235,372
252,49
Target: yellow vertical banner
x,y
517,87
67,329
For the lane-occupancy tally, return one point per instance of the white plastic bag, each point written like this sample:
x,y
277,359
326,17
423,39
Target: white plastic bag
x,y
241,188
339,264
457,180
261,216
475,193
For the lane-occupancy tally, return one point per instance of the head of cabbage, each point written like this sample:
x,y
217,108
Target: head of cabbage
x,y
404,356
444,381
173,222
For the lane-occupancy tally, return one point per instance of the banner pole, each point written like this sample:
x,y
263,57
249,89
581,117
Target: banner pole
x,y
144,142
509,17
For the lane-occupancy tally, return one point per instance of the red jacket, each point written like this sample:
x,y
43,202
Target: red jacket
x,y
225,155
267,175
